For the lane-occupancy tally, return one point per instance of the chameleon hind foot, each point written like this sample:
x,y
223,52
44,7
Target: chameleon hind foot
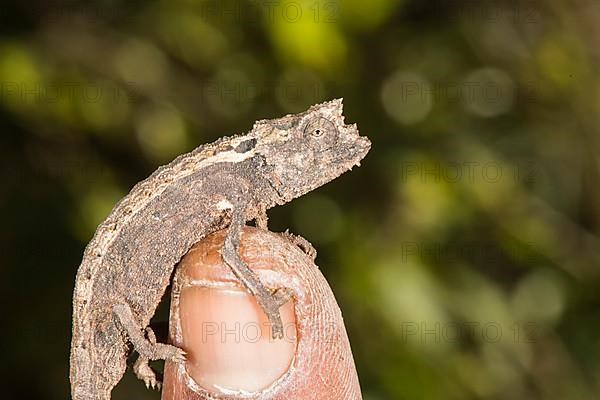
x,y
142,368
146,346
144,372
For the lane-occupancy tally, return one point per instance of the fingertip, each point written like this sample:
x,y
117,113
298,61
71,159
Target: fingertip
x,y
217,323
229,340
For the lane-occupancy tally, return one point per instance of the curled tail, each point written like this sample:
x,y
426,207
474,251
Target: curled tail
x,y
81,375
98,355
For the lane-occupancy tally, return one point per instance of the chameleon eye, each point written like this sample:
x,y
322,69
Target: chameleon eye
x,y
319,127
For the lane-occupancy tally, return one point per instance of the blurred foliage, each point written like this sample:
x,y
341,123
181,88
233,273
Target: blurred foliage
x,y
464,252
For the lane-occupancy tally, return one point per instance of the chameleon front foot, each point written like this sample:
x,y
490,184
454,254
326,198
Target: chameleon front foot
x,y
270,303
282,296
299,241
279,297
267,300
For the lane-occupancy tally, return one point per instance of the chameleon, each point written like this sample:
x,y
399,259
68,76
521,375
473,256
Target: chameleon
x,y
128,264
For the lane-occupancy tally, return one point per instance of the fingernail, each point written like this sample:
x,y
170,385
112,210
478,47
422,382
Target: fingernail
x,y
228,340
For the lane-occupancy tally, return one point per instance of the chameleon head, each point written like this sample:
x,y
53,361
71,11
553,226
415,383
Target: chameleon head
x,y
307,150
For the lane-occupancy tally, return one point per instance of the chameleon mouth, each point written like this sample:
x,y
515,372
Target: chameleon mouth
x,y
359,149
275,187
365,145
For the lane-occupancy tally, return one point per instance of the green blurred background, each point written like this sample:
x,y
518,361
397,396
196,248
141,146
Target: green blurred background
x,y
464,252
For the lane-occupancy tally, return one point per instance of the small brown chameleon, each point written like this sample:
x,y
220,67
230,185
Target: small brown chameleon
x,y
128,264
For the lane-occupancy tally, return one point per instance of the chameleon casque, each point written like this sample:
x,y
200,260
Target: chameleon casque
x,y
128,264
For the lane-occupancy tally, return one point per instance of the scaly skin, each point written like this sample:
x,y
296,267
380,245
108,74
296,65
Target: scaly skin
x,y
128,264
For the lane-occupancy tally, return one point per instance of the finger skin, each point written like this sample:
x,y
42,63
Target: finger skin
x,y
323,368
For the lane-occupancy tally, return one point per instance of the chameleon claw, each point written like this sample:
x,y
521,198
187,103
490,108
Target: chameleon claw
x,y
179,356
152,382
144,372
279,297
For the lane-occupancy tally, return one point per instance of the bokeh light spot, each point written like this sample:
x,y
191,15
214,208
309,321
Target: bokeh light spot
x,y
539,297
302,38
405,97
318,217
161,133
488,92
